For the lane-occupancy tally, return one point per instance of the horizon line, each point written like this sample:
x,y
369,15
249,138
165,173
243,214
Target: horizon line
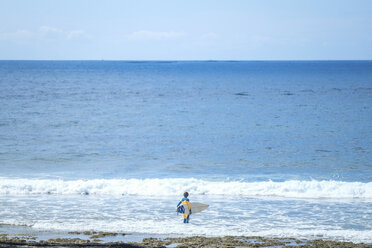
x,y
192,60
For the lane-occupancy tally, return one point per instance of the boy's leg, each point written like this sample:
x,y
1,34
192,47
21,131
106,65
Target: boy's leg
x,y
186,218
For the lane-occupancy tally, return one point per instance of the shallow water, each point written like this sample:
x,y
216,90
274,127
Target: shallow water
x,y
251,216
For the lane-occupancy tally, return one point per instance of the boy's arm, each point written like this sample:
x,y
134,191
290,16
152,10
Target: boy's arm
x,y
189,206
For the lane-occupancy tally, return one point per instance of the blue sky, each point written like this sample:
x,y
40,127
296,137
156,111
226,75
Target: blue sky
x,y
186,30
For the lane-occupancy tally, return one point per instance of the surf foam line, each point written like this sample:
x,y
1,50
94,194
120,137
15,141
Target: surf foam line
x,y
176,186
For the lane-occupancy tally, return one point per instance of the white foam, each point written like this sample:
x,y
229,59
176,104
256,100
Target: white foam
x,y
175,186
177,228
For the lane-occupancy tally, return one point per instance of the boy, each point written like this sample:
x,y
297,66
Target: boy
x,y
181,209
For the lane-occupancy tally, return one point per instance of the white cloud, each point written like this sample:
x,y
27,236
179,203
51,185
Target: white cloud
x,y
47,29
47,32
144,35
44,33
19,34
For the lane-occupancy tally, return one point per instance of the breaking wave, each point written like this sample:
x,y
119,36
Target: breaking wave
x,y
175,186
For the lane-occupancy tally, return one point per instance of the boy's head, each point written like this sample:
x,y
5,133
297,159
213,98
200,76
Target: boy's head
x,y
185,194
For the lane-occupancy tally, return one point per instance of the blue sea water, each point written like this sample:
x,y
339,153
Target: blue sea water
x,y
274,147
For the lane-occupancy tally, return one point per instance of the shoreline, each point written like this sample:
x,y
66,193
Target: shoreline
x,y
111,239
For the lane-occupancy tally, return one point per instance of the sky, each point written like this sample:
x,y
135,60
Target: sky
x,y
186,30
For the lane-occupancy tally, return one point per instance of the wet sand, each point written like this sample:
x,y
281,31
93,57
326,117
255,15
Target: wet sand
x,y
107,239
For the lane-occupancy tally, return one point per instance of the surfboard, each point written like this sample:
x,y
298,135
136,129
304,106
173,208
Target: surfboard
x,y
196,207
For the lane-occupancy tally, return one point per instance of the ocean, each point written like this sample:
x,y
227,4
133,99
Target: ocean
x,y
276,148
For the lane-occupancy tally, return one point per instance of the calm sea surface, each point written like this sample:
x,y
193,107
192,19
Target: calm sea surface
x,y
275,148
